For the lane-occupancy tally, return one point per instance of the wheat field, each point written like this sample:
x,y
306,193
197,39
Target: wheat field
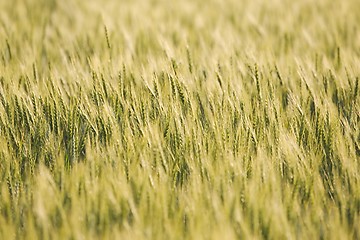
x,y
236,119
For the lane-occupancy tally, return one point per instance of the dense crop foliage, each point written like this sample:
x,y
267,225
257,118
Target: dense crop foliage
x,y
179,119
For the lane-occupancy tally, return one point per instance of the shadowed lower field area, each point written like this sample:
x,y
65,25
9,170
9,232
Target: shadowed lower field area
x,y
179,119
